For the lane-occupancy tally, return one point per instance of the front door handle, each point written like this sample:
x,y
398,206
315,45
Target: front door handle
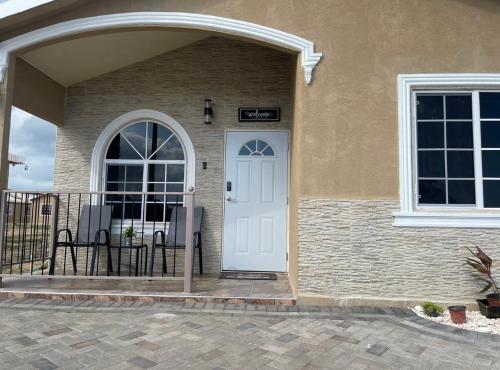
x,y
229,199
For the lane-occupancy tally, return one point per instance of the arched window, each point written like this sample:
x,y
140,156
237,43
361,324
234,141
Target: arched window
x,y
256,148
144,156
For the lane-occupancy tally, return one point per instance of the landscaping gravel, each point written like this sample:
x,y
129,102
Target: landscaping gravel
x,y
475,321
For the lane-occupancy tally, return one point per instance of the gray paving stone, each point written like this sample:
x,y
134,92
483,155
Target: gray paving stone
x,y
133,335
25,341
344,325
43,364
192,325
86,336
342,338
377,349
59,331
86,343
285,338
246,326
482,360
142,362
416,349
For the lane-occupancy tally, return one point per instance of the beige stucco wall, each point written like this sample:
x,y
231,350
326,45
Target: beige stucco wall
x,y
232,73
38,94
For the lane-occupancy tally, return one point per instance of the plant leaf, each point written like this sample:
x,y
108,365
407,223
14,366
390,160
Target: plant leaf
x,y
483,279
471,251
473,260
478,266
487,287
483,257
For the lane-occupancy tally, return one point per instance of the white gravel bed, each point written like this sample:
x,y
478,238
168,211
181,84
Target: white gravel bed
x,y
475,321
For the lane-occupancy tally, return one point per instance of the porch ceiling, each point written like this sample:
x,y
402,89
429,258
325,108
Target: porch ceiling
x,y
72,61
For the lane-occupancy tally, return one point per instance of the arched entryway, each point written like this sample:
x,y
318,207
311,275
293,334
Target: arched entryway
x,y
309,59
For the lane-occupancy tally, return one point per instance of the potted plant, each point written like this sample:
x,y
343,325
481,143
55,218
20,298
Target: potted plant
x,y
432,309
481,262
129,233
457,314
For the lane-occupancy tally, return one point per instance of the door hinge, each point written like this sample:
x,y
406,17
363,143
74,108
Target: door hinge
x,y
287,256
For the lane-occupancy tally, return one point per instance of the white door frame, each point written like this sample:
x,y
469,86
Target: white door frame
x,y
226,131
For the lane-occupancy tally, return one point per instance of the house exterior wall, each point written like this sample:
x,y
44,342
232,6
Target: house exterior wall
x,y
232,73
345,133
38,94
350,109
350,250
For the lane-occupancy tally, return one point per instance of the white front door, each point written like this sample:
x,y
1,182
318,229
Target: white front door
x,y
256,194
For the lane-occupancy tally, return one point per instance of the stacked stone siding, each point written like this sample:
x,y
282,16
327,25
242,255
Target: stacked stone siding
x,y
350,249
232,73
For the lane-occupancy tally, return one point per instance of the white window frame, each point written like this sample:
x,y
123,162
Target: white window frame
x,y
411,214
109,132
145,174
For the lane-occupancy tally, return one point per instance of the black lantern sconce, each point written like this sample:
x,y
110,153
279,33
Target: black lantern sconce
x,y
209,113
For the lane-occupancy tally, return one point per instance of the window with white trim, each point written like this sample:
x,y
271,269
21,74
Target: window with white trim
x,y
457,149
144,156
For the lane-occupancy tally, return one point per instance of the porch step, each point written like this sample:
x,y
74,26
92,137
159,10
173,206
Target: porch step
x,y
147,298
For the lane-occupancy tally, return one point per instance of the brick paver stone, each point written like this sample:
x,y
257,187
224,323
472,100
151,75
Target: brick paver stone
x,y
164,336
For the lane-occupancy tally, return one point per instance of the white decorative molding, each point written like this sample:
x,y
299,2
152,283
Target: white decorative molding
x,y
309,59
101,145
409,215
447,219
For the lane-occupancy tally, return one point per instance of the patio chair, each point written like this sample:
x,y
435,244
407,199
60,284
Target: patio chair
x,y
93,231
176,237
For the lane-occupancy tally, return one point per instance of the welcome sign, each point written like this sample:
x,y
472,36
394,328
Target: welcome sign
x,y
259,114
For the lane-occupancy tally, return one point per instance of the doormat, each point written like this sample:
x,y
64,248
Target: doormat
x,y
248,276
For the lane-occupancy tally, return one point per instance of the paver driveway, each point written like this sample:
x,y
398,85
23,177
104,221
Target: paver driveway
x,y
125,335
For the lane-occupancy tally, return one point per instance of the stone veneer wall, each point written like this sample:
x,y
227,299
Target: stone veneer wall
x,y
351,250
231,72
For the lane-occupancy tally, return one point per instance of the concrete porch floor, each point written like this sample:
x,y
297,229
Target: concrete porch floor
x,y
206,288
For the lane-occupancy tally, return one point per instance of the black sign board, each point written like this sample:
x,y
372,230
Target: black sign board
x,y
259,114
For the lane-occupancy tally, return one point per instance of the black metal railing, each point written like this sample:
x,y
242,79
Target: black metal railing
x,y
93,234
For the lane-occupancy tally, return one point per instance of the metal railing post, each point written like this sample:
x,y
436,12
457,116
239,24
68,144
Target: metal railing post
x,y
188,257
3,201
53,230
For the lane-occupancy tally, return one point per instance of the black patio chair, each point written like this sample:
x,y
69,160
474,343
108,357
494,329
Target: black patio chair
x,y
176,237
94,227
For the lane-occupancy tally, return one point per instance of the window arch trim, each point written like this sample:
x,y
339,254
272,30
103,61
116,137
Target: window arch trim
x,y
119,123
263,148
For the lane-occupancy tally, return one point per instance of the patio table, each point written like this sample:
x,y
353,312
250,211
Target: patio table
x,y
139,249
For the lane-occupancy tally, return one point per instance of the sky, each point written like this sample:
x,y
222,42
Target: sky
x,y
10,7
34,139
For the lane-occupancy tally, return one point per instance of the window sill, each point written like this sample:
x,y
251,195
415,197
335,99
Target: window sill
x,y
447,219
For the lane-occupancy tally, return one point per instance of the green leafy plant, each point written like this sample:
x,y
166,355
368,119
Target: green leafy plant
x,y
432,309
481,262
129,232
